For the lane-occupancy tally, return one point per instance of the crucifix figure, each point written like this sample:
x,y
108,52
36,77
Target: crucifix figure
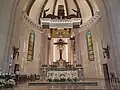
x,y
60,44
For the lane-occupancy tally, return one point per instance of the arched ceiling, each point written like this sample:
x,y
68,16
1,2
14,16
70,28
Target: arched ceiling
x,y
87,8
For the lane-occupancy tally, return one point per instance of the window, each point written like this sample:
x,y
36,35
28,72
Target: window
x,y
31,46
90,46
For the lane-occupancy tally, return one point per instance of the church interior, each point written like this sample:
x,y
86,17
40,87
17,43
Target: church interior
x,y
61,42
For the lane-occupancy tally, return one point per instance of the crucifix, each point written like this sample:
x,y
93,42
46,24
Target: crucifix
x,y
60,44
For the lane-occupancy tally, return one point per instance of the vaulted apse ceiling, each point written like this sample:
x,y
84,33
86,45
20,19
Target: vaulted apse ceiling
x,y
87,8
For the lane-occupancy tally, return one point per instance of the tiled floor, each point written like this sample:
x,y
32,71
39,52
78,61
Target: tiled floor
x,y
64,87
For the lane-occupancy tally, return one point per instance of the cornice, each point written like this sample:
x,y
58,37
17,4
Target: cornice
x,y
92,21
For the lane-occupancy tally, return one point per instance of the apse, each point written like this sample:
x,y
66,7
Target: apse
x,y
86,8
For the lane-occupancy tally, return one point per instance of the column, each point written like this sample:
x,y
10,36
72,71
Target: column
x,y
49,46
41,50
72,52
77,49
69,50
46,49
51,52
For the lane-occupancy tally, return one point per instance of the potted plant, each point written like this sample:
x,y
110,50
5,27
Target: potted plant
x,y
6,81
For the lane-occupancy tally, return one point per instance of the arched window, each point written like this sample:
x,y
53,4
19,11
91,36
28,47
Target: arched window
x,y
31,46
90,46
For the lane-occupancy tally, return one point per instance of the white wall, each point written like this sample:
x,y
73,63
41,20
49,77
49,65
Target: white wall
x,y
109,30
112,8
7,11
106,30
29,67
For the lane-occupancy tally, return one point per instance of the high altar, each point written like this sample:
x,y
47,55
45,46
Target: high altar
x,y
60,67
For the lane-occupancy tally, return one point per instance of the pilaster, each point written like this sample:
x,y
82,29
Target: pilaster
x,y
77,49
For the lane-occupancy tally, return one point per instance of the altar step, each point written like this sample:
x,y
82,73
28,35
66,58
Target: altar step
x,y
63,83
85,85
82,85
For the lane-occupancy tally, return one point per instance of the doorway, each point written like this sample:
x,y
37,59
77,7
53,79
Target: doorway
x,y
106,71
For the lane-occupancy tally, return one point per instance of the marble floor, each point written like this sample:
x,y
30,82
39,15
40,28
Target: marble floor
x,y
101,86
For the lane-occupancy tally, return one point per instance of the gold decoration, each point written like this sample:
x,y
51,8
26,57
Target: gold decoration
x,y
60,33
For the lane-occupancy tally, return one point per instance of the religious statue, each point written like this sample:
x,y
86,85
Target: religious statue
x,y
60,43
106,51
44,12
61,13
76,11
15,52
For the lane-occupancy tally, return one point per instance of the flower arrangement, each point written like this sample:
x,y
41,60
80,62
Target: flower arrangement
x,y
6,81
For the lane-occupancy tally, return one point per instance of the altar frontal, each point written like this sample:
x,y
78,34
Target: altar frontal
x,y
62,75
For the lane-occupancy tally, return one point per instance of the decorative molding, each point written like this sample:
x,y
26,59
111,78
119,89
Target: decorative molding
x,y
43,9
30,6
54,6
78,8
66,5
92,21
91,8
29,22
60,23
